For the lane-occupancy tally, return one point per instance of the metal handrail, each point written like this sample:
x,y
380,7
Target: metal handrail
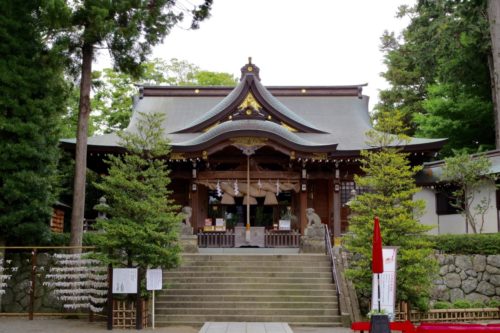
x,y
329,250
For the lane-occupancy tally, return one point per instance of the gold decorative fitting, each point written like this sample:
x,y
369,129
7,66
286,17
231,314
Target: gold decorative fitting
x,y
269,117
319,156
230,117
288,128
249,103
197,91
248,112
249,141
212,126
292,155
250,68
204,155
177,156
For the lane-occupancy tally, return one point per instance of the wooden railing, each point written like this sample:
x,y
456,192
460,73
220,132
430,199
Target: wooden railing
x,y
216,239
450,315
272,239
282,238
329,252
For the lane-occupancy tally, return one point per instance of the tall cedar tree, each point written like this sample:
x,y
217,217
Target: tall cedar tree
x,y
391,184
439,75
143,225
127,29
32,94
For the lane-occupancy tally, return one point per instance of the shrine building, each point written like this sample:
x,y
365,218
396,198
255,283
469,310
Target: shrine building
x,y
297,147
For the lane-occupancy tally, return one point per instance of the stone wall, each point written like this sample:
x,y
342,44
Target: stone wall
x,y
16,297
470,277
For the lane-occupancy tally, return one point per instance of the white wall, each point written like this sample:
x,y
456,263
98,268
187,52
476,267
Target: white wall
x,y
455,223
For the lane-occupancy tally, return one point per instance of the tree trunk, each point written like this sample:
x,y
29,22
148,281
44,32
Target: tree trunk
x,y
77,215
494,63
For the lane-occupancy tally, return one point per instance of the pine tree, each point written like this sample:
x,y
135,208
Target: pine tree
x,y
32,95
389,178
143,225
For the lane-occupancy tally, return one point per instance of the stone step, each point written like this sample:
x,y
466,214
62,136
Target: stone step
x,y
254,268
328,298
255,257
195,319
253,286
198,324
258,265
235,291
220,274
249,311
248,280
330,304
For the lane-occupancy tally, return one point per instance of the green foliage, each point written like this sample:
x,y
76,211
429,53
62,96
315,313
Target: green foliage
x,y
32,99
467,244
439,75
390,179
470,174
466,304
143,225
113,92
442,305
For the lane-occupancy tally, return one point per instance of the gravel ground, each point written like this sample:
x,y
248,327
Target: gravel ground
x,y
49,325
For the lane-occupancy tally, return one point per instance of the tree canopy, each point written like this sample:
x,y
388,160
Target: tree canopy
x,y
144,223
439,75
128,29
32,101
390,183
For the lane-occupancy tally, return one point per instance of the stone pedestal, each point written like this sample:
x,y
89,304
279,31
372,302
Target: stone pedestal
x,y
257,237
188,241
313,240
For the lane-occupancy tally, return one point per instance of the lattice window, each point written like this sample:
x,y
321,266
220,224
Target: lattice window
x,y
346,188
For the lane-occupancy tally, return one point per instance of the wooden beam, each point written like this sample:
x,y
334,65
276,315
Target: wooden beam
x,y
282,175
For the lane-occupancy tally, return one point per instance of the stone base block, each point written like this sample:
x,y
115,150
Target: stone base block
x,y
312,245
189,244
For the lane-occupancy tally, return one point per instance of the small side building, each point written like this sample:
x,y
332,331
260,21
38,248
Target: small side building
x,y
438,196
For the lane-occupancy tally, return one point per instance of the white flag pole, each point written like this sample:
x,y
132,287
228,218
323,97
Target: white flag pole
x,y
153,314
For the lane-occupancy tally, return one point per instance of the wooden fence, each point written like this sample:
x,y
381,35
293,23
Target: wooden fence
x,y
226,239
450,315
216,239
282,239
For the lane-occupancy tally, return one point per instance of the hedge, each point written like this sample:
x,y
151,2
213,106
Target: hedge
x,y
467,244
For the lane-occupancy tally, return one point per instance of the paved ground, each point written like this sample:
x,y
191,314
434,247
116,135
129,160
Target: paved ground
x,y
43,325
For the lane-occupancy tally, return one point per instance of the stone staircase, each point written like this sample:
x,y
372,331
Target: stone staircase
x,y
296,289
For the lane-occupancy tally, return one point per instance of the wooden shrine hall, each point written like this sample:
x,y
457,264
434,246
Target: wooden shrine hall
x,y
260,155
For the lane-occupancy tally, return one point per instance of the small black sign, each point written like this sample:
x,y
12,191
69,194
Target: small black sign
x,y
379,324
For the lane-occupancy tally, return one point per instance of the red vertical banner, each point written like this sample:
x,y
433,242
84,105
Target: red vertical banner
x,y
377,258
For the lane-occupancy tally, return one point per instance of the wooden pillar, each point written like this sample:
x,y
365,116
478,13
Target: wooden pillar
x,y
329,222
303,207
337,222
194,202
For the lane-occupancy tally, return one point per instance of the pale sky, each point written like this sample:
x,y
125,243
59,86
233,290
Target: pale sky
x,y
293,42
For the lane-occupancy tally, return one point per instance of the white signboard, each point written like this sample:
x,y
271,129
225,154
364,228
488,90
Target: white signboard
x,y
387,283
154,279
124,280
284,225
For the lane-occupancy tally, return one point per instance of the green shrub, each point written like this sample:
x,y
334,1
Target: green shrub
x,y
494,303
467,244
442,305
461,304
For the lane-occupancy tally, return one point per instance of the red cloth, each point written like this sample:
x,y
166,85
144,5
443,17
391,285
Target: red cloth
x,y
377,260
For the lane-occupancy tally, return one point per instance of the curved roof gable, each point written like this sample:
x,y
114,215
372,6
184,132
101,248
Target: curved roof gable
x,y
251,100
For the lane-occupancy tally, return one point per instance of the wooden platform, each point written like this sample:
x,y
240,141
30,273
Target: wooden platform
x,y
213,327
